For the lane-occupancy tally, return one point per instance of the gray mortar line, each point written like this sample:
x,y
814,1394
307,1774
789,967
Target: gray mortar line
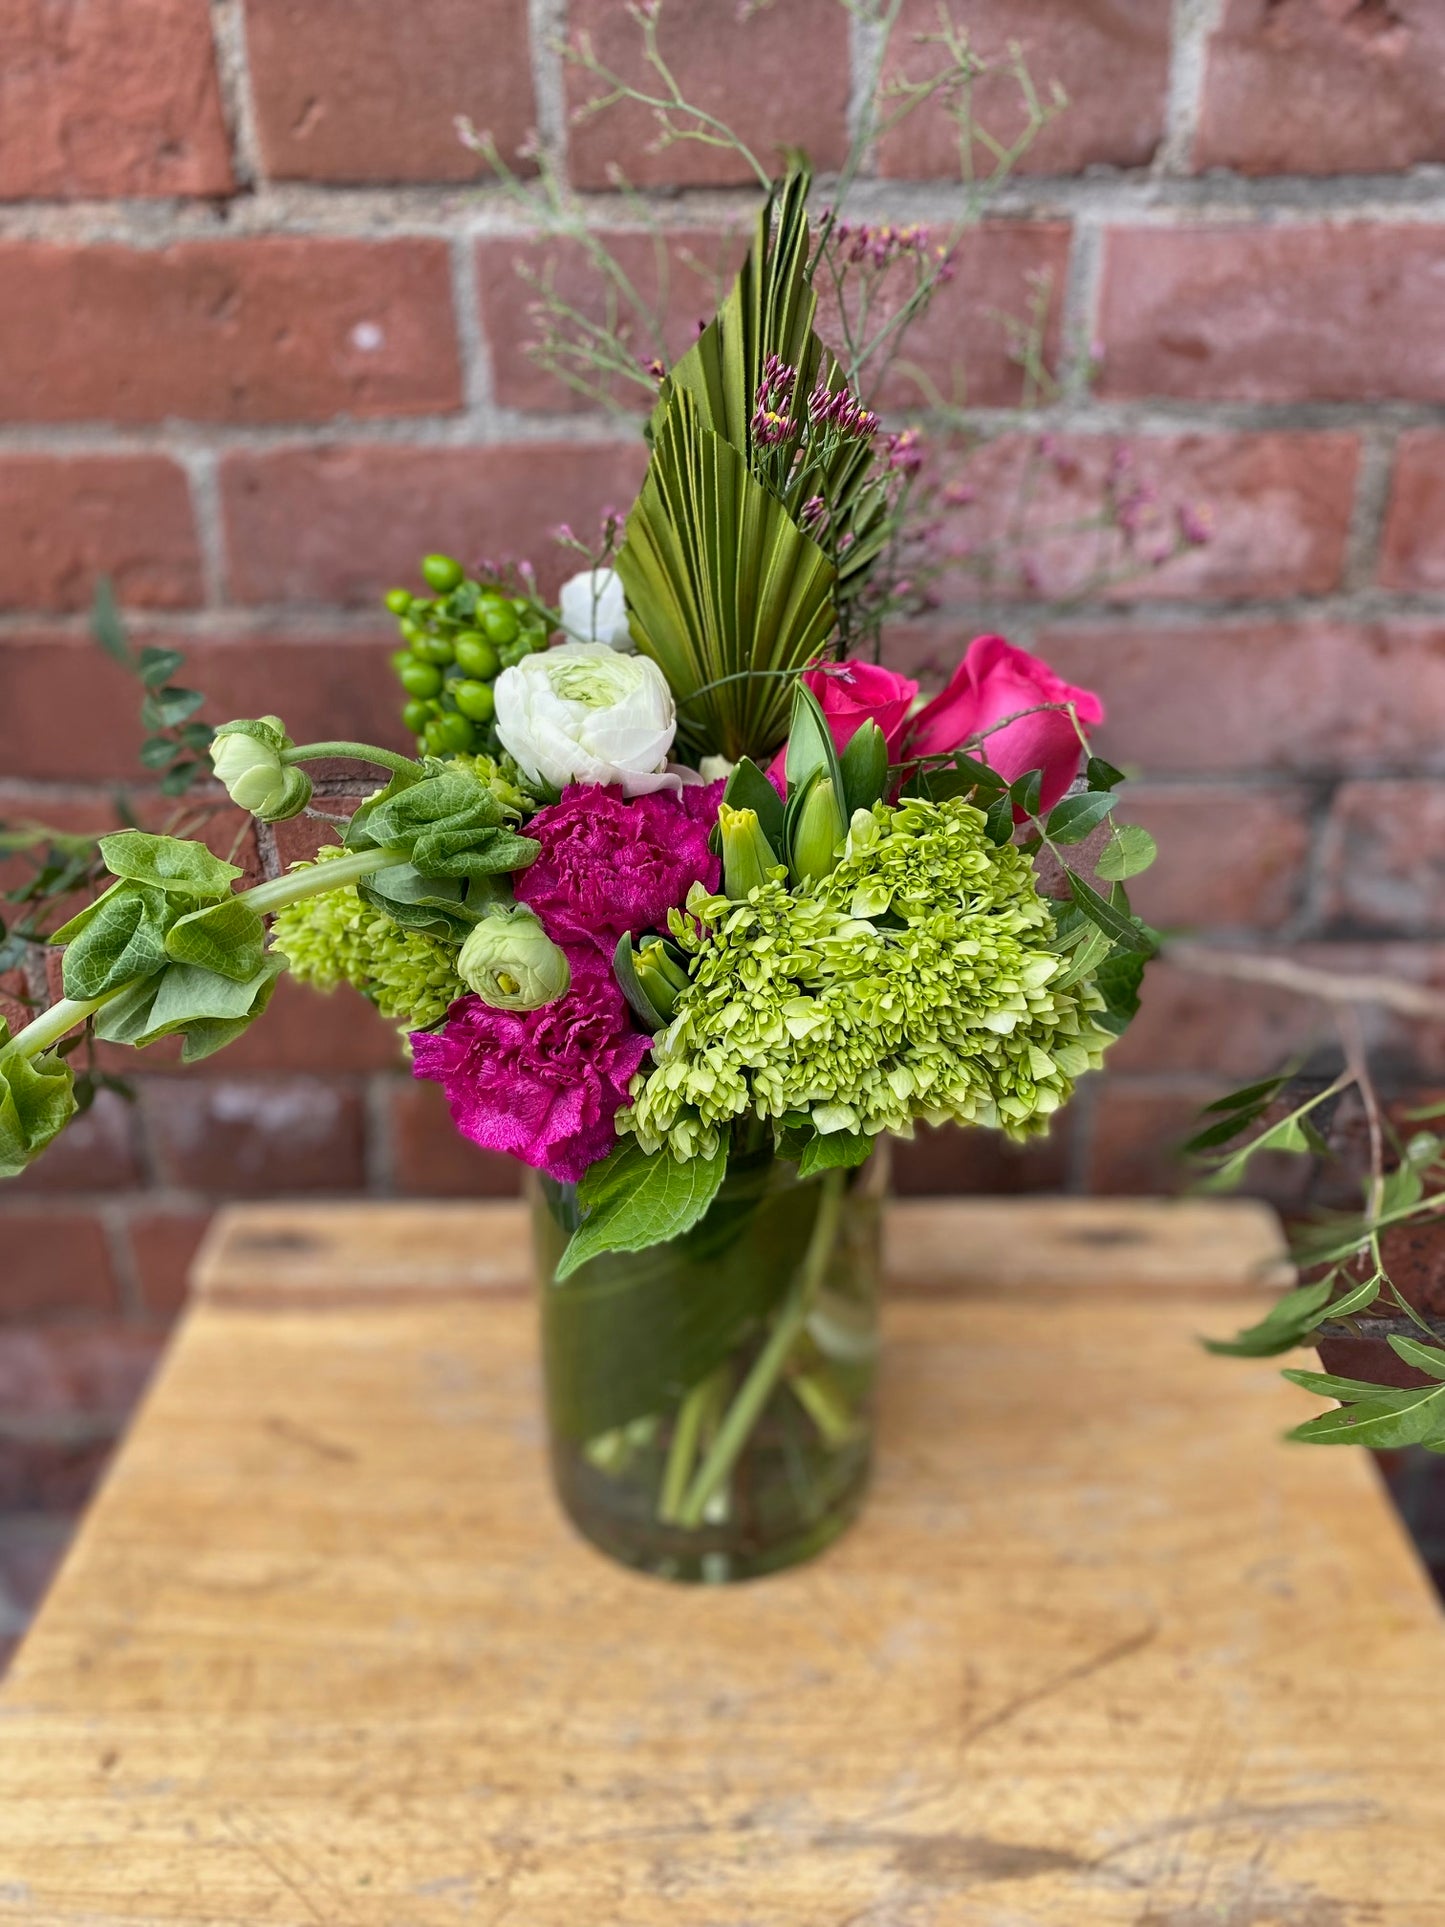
x,y
1191,24
233,68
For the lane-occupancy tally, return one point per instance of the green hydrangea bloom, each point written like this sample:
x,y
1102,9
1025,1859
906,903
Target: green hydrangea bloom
x,y
335,938
912,982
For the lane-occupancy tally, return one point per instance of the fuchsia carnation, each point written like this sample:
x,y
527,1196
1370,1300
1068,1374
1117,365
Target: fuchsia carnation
x,y
611,864
543,1085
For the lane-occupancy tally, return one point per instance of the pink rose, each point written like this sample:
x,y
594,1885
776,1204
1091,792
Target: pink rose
x,y
853,693
542,1085
993,682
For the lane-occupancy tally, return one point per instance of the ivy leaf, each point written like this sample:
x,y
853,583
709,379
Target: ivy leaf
x,y
37,1101
157,752
1128,853
633,1201
838,1150
1076,817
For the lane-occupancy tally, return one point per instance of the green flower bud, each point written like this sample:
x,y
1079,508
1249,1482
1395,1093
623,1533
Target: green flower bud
x,y
818,837
661,975
747,854
246,757
442,573
511,963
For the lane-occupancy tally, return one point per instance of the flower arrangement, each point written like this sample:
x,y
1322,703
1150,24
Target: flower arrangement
x,y
678,899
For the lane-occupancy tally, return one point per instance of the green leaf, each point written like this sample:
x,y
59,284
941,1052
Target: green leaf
x,y
165,708
811,750
1076,817
1283,1326
227,937
158,665
37,1101
1388,1419
638,1000
998,820
1123,929
631,1333
838,1150
865,768
1250,1096
179,778
749,789
445,907
122,935
448,821
167,863
1100,775
726,593
1429,1359
106,625
981,776
1326,1385
1024,791
207,1010
1118,980
157,752
632,1201
1128,853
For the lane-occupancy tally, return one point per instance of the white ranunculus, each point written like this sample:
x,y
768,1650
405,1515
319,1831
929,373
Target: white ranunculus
x,y
581,713
594,609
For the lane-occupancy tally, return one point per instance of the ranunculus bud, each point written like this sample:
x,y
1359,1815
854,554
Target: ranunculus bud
x,y
818,838
747,854
511,963
594,609
246,757
582,713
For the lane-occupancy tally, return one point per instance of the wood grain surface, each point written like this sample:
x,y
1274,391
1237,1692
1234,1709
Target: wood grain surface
x,y
1102,1650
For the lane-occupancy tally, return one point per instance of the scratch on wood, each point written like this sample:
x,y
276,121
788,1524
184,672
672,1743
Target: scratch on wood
x,y
1121,1649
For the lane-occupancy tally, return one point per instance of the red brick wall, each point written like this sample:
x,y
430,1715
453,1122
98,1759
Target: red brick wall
x,y
261,344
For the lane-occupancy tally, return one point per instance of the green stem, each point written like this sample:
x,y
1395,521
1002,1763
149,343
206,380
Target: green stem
x,y
67,1015
682,1452
53,1024
352,752
322,877
758,1386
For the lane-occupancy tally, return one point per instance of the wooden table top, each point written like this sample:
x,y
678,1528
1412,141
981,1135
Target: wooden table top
x,y
1103,1650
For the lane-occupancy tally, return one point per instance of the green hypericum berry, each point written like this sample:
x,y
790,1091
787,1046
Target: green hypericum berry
x,y
454,732
536,640
401,659
398,601
420,678
477,656
441,573
513,652
434,649
416,716
474,700
500,622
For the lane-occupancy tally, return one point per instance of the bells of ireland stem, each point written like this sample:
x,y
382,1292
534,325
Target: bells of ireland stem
x,y
246,757
511,963
818,832
747,854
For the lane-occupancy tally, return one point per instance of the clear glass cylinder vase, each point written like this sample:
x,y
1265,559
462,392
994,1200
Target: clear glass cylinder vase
x,y
710,1400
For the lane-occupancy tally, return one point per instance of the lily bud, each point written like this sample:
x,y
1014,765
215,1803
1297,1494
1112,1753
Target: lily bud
x,y
819,833
661,976
746,853
511,963
246,757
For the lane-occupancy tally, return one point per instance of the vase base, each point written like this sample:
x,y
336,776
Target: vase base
x,y
713,1555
